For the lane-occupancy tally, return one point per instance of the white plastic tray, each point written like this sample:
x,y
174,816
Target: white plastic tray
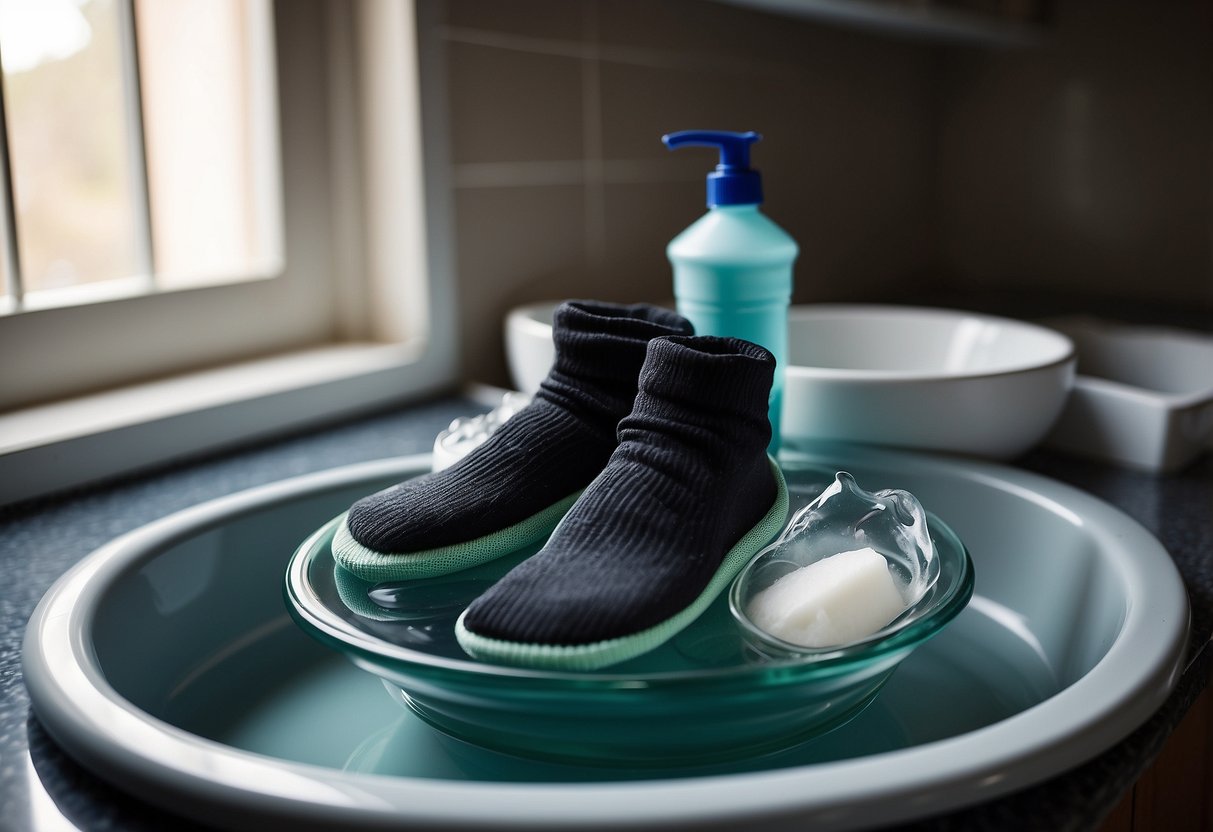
x,y
1143,396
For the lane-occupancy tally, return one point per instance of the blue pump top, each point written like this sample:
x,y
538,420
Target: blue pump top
x,y
733,182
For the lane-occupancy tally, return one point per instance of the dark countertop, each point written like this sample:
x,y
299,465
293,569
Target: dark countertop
x,y
42,789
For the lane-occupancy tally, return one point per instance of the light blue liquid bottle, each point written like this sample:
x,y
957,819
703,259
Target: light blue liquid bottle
x,y
733,266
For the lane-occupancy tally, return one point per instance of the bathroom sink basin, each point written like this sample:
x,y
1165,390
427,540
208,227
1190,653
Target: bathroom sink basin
x,y
166,663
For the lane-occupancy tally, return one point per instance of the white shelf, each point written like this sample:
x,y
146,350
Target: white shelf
x,y
910,20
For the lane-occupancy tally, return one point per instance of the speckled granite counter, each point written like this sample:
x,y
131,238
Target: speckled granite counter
x,y
40,788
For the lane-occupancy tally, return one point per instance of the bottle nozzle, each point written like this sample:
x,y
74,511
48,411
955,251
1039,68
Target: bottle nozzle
x,y
733,182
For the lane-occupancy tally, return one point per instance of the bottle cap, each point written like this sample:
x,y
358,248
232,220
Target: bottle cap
x,y
733,182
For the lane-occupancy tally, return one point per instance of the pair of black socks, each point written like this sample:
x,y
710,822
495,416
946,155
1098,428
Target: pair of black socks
x,y
666,432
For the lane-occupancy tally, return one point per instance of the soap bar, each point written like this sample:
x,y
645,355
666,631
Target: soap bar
x,y
835,601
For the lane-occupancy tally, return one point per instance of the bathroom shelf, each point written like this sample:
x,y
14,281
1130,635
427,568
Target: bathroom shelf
x,y
910,20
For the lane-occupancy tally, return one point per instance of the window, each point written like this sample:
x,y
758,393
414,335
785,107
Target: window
x,y
192,183
73,191
173,179
143,157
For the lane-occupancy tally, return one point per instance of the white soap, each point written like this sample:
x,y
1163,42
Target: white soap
x,y
835,601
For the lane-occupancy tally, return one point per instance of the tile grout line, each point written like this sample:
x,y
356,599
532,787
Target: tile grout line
x,y
592,139
629,55
470,175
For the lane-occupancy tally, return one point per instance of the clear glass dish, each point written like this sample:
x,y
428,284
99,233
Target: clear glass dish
x,y
705,696
843,518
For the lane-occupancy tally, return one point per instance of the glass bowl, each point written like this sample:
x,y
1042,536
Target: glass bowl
x,y
707,695
845,517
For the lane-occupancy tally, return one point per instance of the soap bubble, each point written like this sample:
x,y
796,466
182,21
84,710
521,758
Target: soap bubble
x,y
465,434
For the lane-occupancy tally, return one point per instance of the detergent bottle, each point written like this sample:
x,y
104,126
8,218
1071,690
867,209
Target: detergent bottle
x,y
733,266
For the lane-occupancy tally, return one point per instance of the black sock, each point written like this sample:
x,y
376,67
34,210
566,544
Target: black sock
x,y
690,477
546,452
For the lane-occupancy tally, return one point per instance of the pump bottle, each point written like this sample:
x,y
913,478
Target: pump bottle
x,y
733,266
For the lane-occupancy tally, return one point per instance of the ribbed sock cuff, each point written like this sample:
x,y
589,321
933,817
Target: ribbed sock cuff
x,y
636,320
726,376
600,348
607,342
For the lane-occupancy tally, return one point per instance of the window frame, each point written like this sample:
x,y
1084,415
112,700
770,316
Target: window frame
x,y
366,217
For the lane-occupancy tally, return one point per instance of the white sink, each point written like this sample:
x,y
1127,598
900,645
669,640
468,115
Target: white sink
x,y
166,663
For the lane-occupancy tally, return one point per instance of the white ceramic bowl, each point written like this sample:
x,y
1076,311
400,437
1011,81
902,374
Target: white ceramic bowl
x,y
529,350
935,379
890,375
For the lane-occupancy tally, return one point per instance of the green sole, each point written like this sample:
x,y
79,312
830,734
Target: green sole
x,y
378,567
611,651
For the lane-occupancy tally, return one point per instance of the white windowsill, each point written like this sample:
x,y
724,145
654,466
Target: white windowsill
x,y
51,447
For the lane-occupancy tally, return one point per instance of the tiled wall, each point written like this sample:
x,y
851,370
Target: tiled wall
x,y
563,188
1083,165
